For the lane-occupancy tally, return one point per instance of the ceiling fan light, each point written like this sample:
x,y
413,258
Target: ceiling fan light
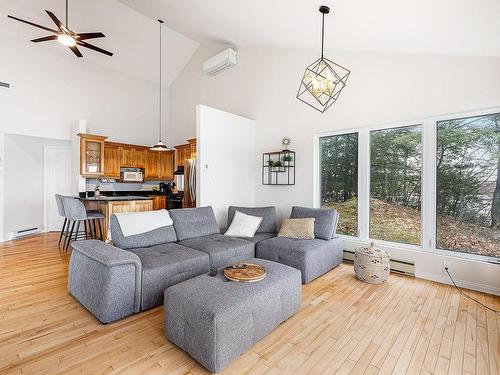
x,y
159,147
67,40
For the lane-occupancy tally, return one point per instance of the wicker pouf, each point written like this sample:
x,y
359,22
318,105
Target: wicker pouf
x,y
372,264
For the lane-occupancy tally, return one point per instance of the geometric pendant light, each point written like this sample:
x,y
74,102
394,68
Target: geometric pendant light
x,y
323,80
160,146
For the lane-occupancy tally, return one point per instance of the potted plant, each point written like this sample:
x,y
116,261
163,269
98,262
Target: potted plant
x,y
287,158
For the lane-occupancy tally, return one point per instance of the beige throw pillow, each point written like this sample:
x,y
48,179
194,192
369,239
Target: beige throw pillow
x,y
297,228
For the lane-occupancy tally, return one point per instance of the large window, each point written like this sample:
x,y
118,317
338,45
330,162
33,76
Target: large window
x,y
433,184
468,185
339,179
395,184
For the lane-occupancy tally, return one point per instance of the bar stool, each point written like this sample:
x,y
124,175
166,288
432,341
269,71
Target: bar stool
x,y
76,214
60,209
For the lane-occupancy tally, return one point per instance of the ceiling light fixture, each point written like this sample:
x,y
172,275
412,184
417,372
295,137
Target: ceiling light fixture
x,y
65,36
323,80
160,146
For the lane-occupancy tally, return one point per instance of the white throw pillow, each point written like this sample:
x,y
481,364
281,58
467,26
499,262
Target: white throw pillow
x,y
243,225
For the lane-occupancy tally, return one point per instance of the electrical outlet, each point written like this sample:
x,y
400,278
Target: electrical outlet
x,y
445,265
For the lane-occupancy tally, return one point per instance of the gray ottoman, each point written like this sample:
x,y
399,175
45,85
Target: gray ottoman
x,y
216,320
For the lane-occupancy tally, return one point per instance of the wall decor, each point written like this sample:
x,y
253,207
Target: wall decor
x,y
323,80
278,168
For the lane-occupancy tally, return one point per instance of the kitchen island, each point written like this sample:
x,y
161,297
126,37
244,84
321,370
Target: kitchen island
x,y
108,205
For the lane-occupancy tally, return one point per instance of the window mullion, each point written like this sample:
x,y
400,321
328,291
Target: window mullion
x,y
364,185
429,185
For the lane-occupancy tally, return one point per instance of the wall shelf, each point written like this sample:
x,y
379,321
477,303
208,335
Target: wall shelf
x,y
278,168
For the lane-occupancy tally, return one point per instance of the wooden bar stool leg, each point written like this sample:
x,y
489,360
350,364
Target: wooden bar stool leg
x,y
94,229
62,231
101,235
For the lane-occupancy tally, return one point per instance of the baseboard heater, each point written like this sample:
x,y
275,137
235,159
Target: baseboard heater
x,y
398,266
24,233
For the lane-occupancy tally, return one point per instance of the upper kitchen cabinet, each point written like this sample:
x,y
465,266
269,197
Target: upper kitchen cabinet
x,y
112,160
106,158
152,169
184,152
166,165
128,156
91,155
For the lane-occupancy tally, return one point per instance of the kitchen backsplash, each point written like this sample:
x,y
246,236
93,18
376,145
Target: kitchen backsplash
x,y
119,186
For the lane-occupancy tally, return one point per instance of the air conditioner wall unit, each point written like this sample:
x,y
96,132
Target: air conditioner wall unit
x,y
220,62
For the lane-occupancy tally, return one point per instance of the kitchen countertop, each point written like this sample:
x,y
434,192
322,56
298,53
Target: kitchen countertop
x,y
117,198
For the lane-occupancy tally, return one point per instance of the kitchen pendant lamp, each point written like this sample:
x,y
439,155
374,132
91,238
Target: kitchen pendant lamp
x,y
323,80
159,146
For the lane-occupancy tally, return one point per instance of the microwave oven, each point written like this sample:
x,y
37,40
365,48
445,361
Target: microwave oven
x,y
131,174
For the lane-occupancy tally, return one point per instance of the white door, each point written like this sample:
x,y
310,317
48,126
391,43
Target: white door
x,y
57,176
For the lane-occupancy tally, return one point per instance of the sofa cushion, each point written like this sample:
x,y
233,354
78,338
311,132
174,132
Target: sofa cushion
x,y
222,250
243,225
154,237
165,265
194,222
260,237
325,223
268,214
312,257
297,228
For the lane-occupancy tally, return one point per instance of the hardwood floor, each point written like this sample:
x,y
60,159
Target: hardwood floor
x,y
344,326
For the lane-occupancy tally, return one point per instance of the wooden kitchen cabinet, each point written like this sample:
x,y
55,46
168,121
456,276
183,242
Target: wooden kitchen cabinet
x,y
157,165
112,160
159,202
107,208
184,152
166,165
91,155
140,158
152,165
128,156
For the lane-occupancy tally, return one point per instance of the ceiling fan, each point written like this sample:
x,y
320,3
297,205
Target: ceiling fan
x,y
66,36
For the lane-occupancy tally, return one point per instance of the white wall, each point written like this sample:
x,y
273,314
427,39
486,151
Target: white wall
x,y
24,181
225,153
383,89
51,89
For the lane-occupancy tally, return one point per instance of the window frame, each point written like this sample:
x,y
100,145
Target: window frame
x,y
428,181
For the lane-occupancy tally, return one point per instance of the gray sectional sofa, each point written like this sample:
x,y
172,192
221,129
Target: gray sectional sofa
x,y
114,281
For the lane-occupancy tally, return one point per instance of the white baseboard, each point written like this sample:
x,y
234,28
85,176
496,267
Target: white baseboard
x,y
444,279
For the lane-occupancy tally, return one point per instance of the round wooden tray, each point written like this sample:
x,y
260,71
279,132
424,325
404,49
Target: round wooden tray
x,y
245,272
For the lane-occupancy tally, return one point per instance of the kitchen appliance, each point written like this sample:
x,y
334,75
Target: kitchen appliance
x,y
179,178
190,183
165,187
131,174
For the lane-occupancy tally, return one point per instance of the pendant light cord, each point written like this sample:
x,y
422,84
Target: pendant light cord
x,y
67,14
322,34
159,126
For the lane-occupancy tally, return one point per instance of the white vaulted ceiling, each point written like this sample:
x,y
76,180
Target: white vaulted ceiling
x,y
453,27
130,35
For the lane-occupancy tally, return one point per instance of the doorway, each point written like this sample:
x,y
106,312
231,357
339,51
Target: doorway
x,y
57,180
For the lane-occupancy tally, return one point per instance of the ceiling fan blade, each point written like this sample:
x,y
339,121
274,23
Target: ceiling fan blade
x,y
91,46
33,24
84,36
45,39
76,51
58,23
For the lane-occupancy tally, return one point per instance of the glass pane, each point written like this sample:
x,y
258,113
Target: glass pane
x,y
93,157
395,184
339,179
468,185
